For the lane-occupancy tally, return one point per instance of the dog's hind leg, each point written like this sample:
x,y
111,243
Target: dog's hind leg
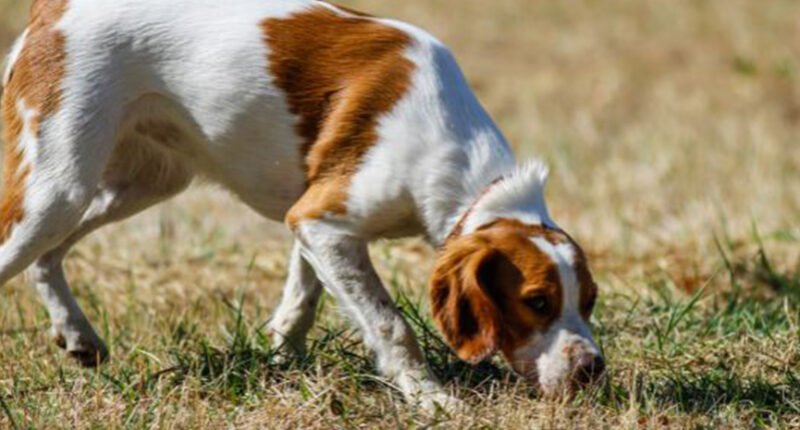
x,y
49,182
295,314
67,173
53,163
139,175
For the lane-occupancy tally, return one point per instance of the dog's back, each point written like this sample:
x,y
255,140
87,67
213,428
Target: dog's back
x,y
278,101
264,97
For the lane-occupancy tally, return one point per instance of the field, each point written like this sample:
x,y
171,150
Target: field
x,y
673,131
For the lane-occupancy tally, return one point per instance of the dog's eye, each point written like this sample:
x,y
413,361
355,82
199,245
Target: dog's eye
x,y
538,304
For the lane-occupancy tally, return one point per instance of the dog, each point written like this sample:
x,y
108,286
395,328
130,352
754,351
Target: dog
x,y
345,126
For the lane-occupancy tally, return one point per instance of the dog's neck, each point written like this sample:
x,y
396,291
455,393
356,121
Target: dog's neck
x,y
471,174
484,186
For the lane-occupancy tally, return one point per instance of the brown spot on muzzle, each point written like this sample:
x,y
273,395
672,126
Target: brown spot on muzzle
x,y
340,73
60,341
35,81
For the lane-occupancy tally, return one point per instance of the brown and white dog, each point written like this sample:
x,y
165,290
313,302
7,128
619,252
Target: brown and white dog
x,y
347,127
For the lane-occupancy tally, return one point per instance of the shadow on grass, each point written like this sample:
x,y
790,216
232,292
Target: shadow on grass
x,y
248,360
706,392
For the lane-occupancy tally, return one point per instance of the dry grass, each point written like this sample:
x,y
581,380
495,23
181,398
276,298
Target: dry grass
x,y
672,127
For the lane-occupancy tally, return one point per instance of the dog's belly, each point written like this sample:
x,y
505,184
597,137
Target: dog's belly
x,y
257,156
251,150
269,179
264,171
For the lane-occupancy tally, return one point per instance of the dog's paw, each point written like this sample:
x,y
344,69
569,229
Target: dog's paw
x,y
81,343
286,350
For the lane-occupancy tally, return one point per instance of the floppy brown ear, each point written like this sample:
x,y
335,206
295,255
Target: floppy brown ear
x,y
462,308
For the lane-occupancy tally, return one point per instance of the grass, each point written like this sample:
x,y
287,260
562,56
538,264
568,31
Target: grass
x,y
672,127
706,360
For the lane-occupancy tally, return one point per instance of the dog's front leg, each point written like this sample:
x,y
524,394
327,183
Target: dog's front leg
x,y
342,263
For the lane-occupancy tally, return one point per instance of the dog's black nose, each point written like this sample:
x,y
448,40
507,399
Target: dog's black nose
x,y
588,367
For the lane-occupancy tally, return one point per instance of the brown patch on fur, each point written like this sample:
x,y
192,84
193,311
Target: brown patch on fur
x,y
495,270
340,74
552,235
461,306
588,288
35,80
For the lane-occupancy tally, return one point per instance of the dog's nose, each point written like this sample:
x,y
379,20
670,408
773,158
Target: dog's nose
x,y
588,367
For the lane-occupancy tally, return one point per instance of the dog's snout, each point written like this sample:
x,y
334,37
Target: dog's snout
x,y
588,367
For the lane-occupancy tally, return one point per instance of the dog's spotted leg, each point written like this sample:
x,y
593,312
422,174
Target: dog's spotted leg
x,y
53,207
295,314
138,176
342,263
70,328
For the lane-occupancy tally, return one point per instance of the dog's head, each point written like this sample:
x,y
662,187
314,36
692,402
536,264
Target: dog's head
x,y
524,290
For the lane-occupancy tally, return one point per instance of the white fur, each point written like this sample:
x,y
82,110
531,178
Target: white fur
x,y
563,255
342,264
206,62
519,195
201,65
295,314
545,355
439,150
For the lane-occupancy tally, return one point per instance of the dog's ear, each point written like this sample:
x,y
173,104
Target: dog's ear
x,y
461,303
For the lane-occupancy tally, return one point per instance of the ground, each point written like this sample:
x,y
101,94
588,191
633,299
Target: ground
x,y
672,128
